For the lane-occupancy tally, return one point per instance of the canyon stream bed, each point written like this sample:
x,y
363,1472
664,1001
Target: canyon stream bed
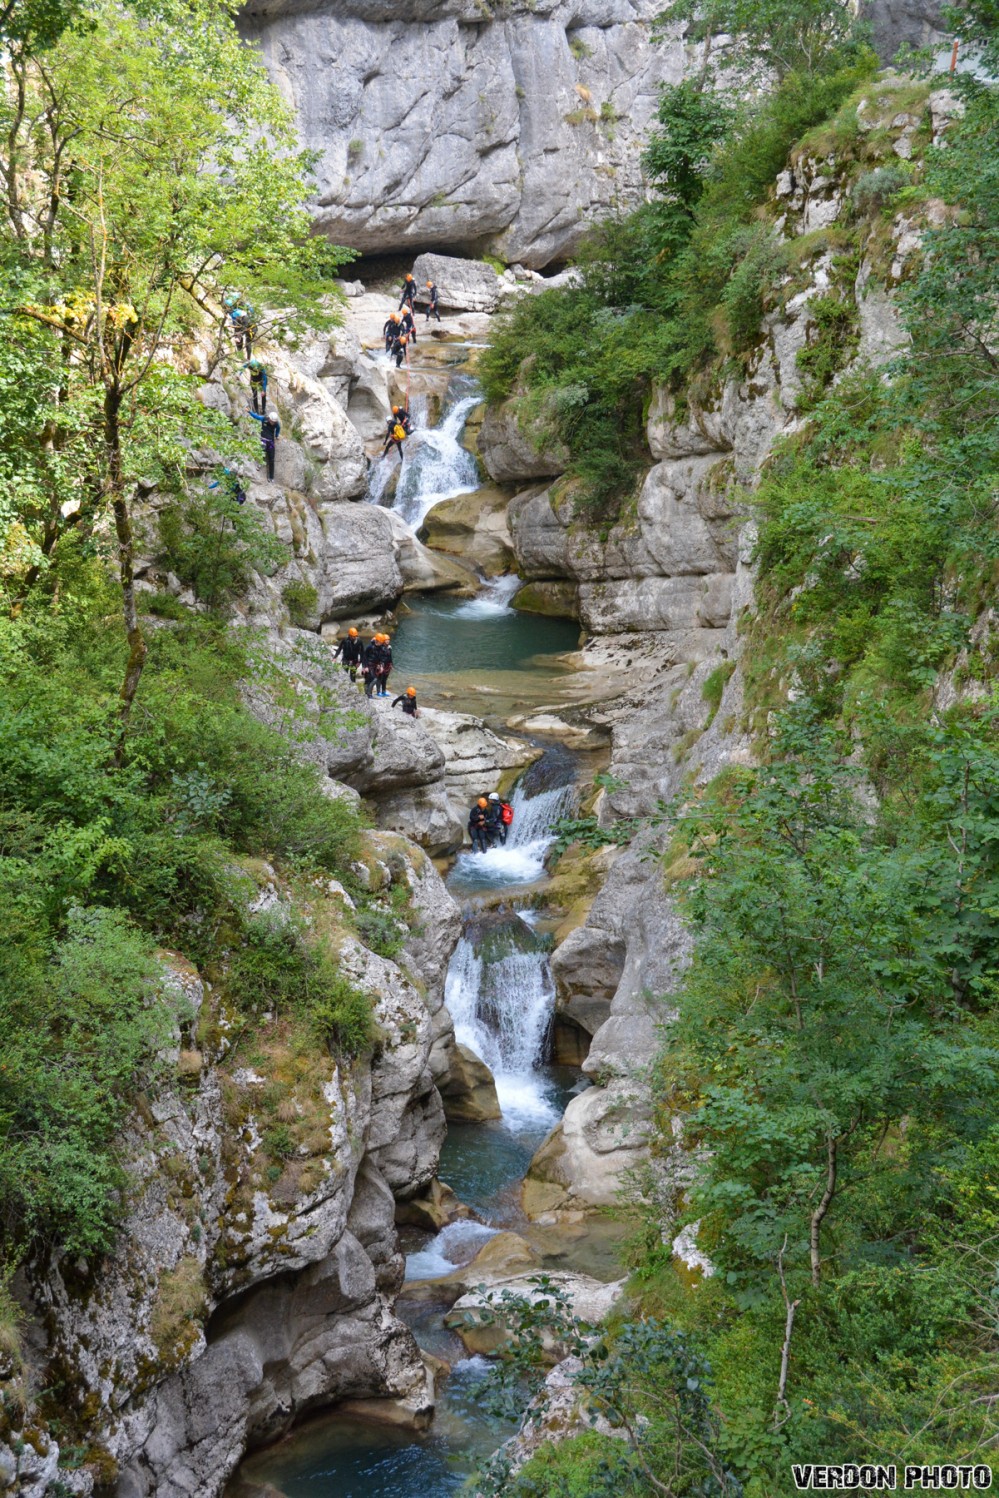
x,y
475,655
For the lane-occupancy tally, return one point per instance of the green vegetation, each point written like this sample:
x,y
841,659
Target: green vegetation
x,y
150,172
669,292
302,601
835,1056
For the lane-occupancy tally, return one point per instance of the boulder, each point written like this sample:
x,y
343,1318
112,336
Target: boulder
x,y
474,1320
502,1256
473,526
467,1089
514,453
464,285
587,968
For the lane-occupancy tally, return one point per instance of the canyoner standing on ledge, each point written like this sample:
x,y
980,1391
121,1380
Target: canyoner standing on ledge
x,y
270,431
432,308
258,384
408,292
350,651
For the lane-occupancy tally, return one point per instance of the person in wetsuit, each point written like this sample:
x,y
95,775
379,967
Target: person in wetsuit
x,y
258,384
432,307
408,700
477,825
383,670
369,663
400,350
408,292
399,420
391,330
231,485
495,831
407,325
270,431
350,651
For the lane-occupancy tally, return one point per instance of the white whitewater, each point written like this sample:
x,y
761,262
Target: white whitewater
x,y
492,600
517,993
435,466
521,860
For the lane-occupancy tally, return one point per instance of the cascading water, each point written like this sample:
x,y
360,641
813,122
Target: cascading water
x,y
435,466
492,600
501,1010
521,860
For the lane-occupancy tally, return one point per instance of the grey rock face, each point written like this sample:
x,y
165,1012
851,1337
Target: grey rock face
x,y
446,125
465,285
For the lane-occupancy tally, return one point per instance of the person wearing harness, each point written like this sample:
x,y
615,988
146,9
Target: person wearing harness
x,y
407,325
383,670
506,820
369,663
477,826
391,329
432,307
231,485
408,291
349,650
398,427
270,431
258,383
494,820
408,700
243,326
400,350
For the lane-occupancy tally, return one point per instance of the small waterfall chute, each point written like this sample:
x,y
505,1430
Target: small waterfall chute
x,y
501,1010
435,466
492,600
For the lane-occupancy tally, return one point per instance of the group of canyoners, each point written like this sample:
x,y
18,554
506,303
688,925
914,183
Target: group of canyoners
x,y
491,817
399,332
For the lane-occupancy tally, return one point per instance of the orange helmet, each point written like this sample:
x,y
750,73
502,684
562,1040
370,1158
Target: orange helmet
x,y
396,316
429,284
410,691
482,802
352,632
395,410
386,638
408,276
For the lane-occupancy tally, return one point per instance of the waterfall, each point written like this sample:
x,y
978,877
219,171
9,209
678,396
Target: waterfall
x,y
521,860
435,466
492,600
501,1009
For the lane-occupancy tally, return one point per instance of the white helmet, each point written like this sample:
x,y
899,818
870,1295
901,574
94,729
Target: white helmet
x,y
272,415
494,795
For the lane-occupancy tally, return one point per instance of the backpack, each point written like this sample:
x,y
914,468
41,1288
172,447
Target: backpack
x,y
506,812
398,431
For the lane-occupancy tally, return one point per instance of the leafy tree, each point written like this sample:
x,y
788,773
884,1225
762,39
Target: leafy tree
x,y
770,39
150,169
815,1025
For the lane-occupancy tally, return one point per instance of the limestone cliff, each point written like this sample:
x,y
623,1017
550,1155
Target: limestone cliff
x,y
256,1266
667,593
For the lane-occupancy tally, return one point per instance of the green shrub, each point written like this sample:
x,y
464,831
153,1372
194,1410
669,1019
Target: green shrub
x,y
214,545
714,687
273,967
875,189
301,600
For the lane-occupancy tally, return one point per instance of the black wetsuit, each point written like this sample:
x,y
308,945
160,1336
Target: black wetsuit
x,y
477,826
408,293
398,350
391,332
432,309
407,324
369,660
494,823
401,420
350,651
384,669
408,704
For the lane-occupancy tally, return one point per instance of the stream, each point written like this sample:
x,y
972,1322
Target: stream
x,y
500,993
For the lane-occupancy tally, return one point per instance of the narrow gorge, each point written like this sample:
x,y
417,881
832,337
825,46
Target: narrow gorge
x,y
309,1102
